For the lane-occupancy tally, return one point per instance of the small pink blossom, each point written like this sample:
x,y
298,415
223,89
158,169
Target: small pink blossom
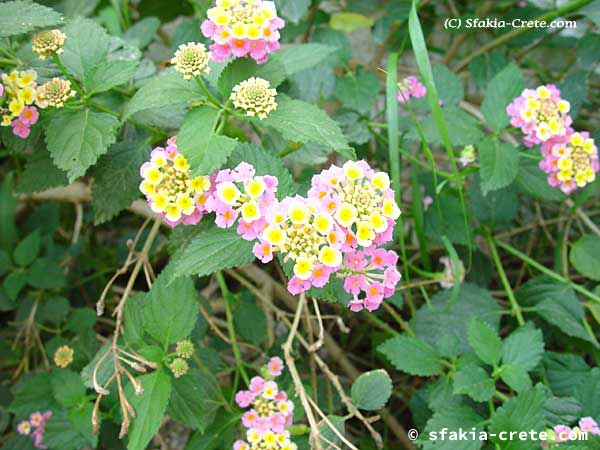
x,y
275,366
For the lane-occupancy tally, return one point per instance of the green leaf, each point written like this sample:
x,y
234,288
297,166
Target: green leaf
x,y
40,173
449,86
556,312
134,319
170,309
8,232
33,393
109,74
349,21
67,387
498,207
562,410
163,90
499,162
474,381
241,69
265,163
327,435
46,273
142,33
211,250
438,319
525,412
23,16
523,348
484,341
303,57
14,283
453,419
462,128
585,256
358,90
86,46
150,408
76,139
293,10
515,377
28,249
60,431
117,179
412,355
302,122
533,182
250,322
195,399
371,390
564,373
204,150
588,394
501,90
104,370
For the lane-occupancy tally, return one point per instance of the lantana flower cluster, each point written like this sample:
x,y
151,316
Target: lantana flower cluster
x,y
241,28
338,229
270,412
570,158
170,190
17,101
34,428
563,433
410,87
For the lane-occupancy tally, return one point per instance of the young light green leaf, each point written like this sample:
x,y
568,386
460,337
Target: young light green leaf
x,y
211,250
298,121
109,74
371,390
117,179
475,382
499,162
23,16
412,355
76,138
150,407
501,90
523,348
163,90
484,341
27,249
170,309
86,46
585,256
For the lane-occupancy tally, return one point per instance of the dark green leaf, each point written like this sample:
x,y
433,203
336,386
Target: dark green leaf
x,y
475,382
523,348
28,249
40,173
358,90
484,341
67,387
585,256
412,355
501,90
109,74
86,46
371,390
499,163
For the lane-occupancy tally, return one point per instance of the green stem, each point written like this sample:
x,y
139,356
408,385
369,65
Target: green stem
x,y
66,74
522,256
230,327
105,109
209,95
516,309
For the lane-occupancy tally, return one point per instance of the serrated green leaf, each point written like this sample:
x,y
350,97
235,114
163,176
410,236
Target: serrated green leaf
x,y
241,69
533,182
171,309
523,348
151,407
46,273
498,207
462,128
14,283
26,251
484,341
499,162
358,91
109,74
585,256
501,90
449,85
105,368
67,387
524,412
515,377
565,372
298,121
163,90
23,16
561,410
293,10
412,355
250,322
142,33
8,232
371,390
40,173
195,399
60,432
265,163
554,311
453,419
33,393
211,250
86,46
588,394
303,57
117,179
76,139
475,382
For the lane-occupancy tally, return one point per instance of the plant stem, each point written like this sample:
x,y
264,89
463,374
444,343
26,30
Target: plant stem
x,y
230,327
211,98
516,309
103,108
66,74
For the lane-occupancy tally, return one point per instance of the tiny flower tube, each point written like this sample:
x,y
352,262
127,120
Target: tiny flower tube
x,y
169,189
571,161
269,412
240,194
242,28
541,114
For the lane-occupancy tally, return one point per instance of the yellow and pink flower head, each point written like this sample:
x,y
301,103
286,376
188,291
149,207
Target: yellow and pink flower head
x,y
241,28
